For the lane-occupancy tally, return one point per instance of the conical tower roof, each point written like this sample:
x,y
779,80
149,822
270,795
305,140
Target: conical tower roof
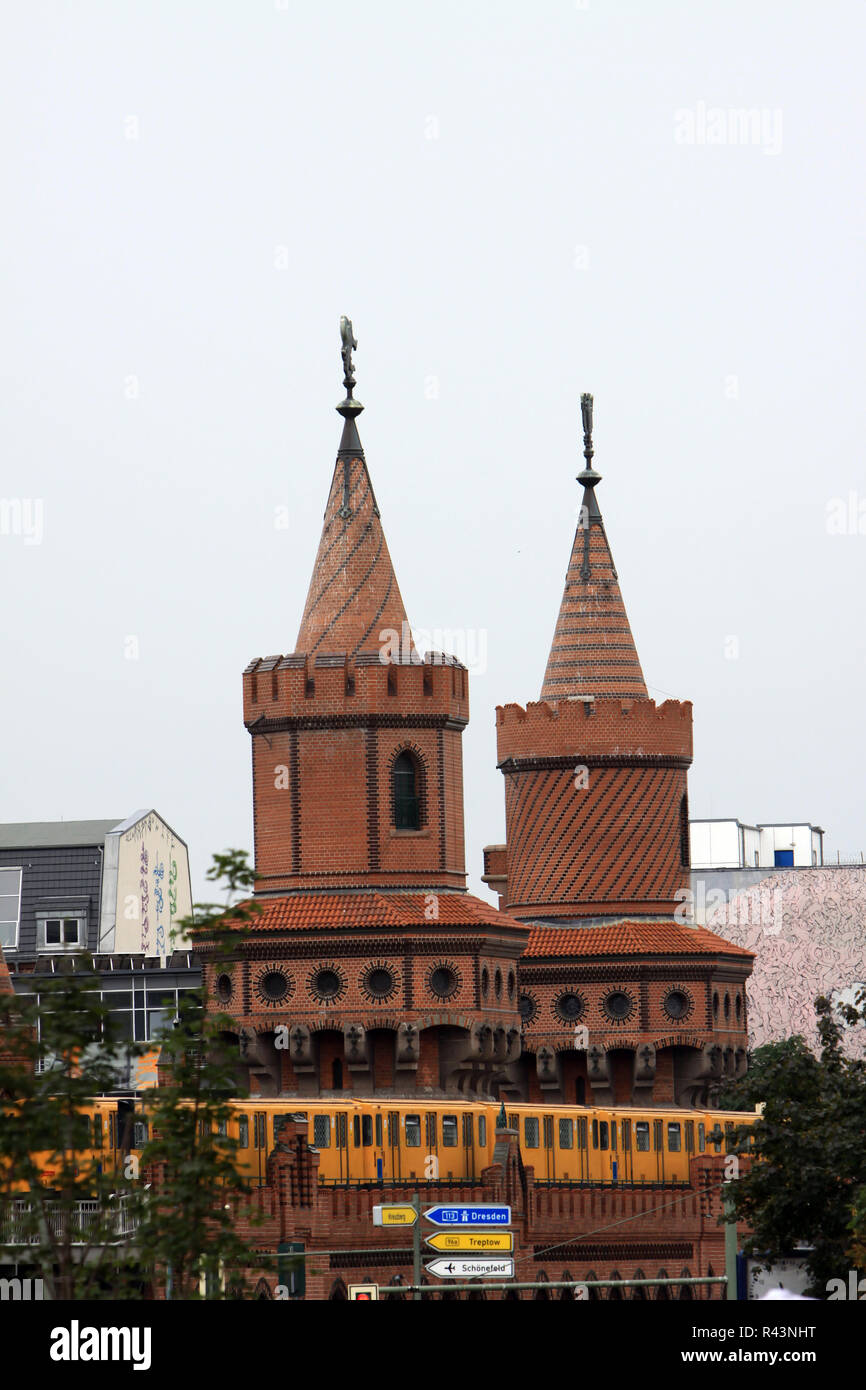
x,y
353,596
593,651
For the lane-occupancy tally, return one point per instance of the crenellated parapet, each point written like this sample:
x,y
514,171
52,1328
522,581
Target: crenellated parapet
x,y
633,731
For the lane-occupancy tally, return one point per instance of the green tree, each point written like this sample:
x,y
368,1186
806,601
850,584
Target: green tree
x,y
189,1238
65,1216
807,1184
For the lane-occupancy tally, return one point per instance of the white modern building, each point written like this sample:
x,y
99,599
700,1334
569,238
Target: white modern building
x,y
730,844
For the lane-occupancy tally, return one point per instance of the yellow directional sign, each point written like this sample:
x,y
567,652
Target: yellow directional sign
x,y
398,1214
472,1242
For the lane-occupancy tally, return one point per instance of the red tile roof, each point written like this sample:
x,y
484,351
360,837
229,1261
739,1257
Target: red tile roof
x,y
629,939
367,909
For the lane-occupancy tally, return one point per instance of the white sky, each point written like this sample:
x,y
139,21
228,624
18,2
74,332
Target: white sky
x,y
497,197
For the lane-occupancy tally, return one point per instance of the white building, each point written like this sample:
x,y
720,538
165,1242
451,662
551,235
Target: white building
x,y
729,844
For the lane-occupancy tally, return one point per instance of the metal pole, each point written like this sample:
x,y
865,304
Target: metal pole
x,y
478,1284
416,1249
730,1241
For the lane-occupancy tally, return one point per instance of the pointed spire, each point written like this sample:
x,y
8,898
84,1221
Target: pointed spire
x,y
354,595
593,651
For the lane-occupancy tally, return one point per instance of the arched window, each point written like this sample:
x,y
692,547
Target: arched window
x,y
685,854
615,1294
594,1293
686,1290
407,792
640,1290
663,1290
542,1279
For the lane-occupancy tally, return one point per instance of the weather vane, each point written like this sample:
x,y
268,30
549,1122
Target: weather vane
x,y
350,343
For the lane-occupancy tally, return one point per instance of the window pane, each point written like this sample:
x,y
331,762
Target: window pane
x,y
642,1136
70,931
356,1131
367,1130
8,933
702,1138
603,1135
413,1131
119,1027
566,1134
674,1138
449,1131
243,1132
530,1132
379,1131
626,1135
52,932
158,1022
10,882
321,1131
482,1131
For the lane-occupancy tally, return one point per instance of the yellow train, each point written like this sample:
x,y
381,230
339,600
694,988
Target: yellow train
x,y
381,1141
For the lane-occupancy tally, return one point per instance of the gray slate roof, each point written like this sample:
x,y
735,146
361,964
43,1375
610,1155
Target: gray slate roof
x,y
46,834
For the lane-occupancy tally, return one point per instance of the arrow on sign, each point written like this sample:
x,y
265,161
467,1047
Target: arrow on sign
x,y
484,1214
471,1269
394,1214
472,1242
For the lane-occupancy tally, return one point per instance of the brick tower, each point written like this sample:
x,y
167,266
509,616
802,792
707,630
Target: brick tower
x,y
620,1000
369,969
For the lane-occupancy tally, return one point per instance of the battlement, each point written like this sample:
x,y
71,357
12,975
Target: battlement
x,y
586,726
299,685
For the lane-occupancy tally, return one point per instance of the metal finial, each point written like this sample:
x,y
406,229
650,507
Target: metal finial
x,y
348,407
501,1118
586,412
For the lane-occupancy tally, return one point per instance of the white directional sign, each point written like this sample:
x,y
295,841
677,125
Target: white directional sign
x,y
471,1269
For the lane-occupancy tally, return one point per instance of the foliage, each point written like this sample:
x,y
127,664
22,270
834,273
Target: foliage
x,y
189,1239
50,1068
807,1185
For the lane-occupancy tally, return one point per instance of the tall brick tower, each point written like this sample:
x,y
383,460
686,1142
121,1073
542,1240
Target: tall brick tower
x,y
369,969
620,1000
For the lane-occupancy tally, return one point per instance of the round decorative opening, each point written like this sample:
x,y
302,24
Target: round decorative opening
x,y
570,1007
618,1005
485,981
527,1007
677,1004
443,981
497,983
326,983
274,985
224,988
379,981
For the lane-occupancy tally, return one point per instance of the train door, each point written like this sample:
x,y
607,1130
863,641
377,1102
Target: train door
x,y
431,1139
626,1157
581,1139
452,1158
549,1150
341,1139
379,1146
659,1149
260,1143
392,1153
412,1140
603,1156
468,1127
675,1148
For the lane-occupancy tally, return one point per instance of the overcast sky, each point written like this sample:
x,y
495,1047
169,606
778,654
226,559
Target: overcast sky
x,y
514,203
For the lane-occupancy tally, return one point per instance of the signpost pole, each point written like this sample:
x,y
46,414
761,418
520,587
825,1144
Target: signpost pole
x,y
730,1241
416,1249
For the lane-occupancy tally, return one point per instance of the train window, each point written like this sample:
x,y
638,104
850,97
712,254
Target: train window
x,y
595,1134
603,1136
97,1131
642,1136
548,1131
367,1130
482,1131
613,1135
243,1132
566,1134
413,1131
393,1128
730,1138
139,1134
468,1126
222,1129
378,1131
341,1128
259,1133
449,1131
530,1132
278,1121
675,1138
702,1138
430,1120
581,1132
321,1131
626,1135
112,1131
658,1136
690,1136
356,1131
513,1123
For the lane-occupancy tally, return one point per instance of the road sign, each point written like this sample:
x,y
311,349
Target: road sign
x,y
396,1214
472,1242
471,1269
364,1293
484,1214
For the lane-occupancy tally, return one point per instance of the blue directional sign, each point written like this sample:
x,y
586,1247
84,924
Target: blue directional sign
x,y
482,1214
